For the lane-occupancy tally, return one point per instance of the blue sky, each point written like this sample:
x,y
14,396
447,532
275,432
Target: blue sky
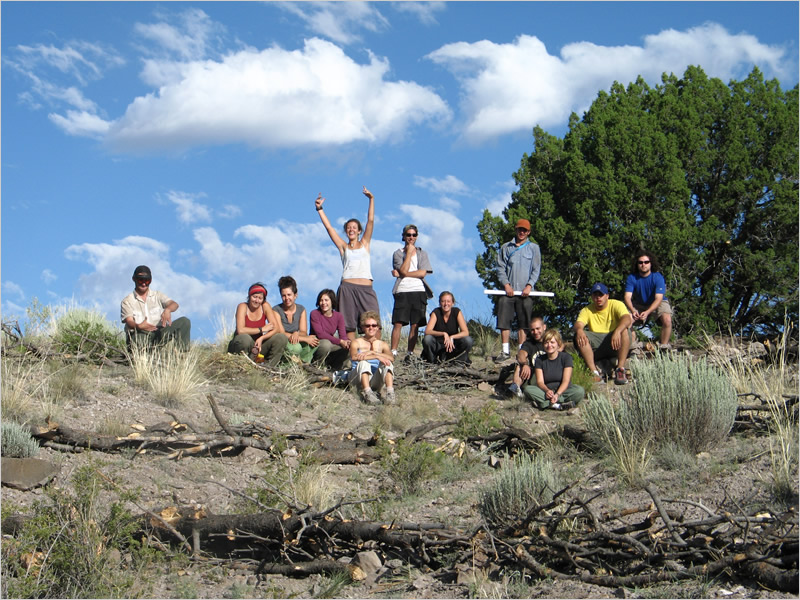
x,y
194,137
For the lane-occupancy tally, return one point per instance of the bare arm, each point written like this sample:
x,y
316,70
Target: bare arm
x,y
367,237
411,251
524,367
580,334
463,330
335,237
431,324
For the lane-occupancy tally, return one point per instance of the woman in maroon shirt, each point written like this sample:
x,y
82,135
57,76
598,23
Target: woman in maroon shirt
x,y
328,325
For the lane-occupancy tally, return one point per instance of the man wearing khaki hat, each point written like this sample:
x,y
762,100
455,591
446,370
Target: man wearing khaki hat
x,y
518,264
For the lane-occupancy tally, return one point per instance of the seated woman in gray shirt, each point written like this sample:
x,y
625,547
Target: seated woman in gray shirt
x,y
294,321
554,388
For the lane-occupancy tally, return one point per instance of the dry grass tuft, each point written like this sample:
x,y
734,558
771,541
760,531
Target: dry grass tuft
x,y
771,382
173,376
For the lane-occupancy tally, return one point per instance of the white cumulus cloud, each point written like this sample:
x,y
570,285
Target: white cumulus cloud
x,y
508,88
276,98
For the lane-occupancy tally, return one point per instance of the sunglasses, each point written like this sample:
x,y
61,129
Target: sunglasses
x,y
644,262
371,325
411,235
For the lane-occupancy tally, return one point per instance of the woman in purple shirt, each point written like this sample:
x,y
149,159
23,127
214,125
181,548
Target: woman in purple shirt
x,y
328,325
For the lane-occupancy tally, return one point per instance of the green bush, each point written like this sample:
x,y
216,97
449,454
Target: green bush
x,y
411,463
519,486
17,441
673,403
80,331
477,423
73,547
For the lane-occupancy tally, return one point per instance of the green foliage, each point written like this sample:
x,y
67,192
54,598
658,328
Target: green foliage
x,y
581,375
673,405
73,545
80,331
477,423
17,442
700,173
521,484
410,463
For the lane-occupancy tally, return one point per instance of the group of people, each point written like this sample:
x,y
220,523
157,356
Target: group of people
x,y
542,370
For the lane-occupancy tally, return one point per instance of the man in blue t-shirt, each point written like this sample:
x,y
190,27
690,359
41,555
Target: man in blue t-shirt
x,y
645,295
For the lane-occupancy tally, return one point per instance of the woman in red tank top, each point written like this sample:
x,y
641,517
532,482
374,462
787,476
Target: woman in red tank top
x,y
256,330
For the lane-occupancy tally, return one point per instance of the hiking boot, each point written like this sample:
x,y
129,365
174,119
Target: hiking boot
x,y
409,358
567,405
514,389
502,357
388,396
619,377
665,347
501,390
369,397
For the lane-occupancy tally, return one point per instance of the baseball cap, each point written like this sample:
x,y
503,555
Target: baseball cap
x,y
599,287
142,271
523,223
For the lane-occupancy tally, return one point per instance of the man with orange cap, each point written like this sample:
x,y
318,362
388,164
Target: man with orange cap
x,y
518,265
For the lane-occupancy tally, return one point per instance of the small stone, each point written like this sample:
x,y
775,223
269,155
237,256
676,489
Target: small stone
x,y
394,563
369,561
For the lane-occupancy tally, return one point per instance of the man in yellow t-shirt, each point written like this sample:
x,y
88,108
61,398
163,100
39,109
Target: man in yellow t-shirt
x,y
601,331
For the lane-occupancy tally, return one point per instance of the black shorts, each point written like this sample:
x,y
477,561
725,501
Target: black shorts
x,y
508,307
410,307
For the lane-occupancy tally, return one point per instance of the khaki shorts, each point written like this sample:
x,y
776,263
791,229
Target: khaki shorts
x,y
662,309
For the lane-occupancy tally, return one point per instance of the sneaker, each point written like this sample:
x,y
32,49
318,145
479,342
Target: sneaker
x,y
369,397
501,390
665,347
619,377
567,405
597,377
388,396
408,359
514,389
555,406
340,377
502,357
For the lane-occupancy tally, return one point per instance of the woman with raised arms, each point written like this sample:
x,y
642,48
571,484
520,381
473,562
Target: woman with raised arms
x,y
355,294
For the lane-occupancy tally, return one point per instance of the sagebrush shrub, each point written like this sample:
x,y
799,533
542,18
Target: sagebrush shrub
x,y
523,483
689,403
673,403
16,441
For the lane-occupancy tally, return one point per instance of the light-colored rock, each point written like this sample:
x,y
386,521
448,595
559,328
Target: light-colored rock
x,y
26,473
369,561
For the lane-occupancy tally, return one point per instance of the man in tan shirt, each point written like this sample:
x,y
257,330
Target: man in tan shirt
x,y
147,315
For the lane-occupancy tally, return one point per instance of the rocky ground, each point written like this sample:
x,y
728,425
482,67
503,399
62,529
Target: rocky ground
x,y
108,401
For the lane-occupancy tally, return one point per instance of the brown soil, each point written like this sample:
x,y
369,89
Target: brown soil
x,y
734,474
